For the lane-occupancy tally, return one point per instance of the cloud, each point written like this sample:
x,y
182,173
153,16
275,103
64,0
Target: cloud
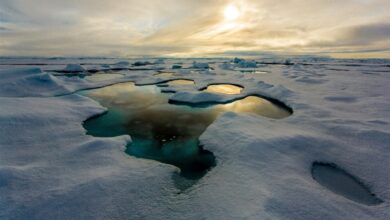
x,y
185,27
369,33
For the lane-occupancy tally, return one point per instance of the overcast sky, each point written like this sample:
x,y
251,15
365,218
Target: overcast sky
x,y
341,28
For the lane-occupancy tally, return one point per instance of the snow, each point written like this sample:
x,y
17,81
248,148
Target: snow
x,y
238,63
159,61
176,66
247,64
29,82
226,66
238,60
74,68
122,63
141,63
50,169
198,65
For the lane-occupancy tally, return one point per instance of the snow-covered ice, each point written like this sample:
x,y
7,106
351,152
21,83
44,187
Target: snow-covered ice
x,y
199,65
74,68
50,168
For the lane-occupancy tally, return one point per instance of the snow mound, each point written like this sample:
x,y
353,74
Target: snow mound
x,y
73,68
141,63
197,65
176,66
159,61
29,82
120,65
226,66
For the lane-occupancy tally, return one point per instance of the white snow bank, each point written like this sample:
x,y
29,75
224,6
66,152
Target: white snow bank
x,y
268,162
259,88
49,169
29,82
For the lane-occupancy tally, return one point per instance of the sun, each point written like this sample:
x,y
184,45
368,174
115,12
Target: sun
x,y
231,12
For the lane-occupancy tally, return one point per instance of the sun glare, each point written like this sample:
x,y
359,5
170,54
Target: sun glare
x,y
231,12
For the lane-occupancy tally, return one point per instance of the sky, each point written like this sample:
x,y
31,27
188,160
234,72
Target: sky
x,y
195,28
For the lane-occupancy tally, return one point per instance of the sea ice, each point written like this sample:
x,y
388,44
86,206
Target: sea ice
x,y
73,68
50,168
198,65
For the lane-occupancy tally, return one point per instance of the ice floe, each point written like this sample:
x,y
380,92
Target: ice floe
x,y
51,169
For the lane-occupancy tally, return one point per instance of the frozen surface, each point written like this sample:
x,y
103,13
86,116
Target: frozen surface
x,y
50,169
74,68
341,182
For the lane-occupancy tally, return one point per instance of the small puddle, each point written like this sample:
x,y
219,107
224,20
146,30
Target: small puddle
x,y
255,105
165,132
181,82
164,74
341,182
224,88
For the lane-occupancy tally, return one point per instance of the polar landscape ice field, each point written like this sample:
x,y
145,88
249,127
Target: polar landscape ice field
x,y
326,158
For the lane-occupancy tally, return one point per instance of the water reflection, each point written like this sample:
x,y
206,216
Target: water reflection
x,y
181,82
164,74
224,88
162,131
255,105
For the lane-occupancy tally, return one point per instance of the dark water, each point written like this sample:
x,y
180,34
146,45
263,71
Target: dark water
x,y
165,132
343,183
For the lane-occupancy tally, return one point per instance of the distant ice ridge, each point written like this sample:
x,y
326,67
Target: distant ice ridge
x,y
242,63
226,66
121,64
159,61
198,65
238,63
176,66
